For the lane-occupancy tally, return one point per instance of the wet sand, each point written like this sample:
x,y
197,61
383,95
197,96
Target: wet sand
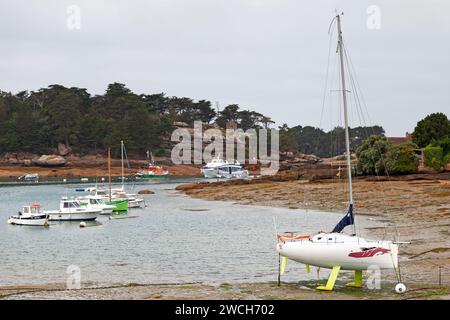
x,y
223,291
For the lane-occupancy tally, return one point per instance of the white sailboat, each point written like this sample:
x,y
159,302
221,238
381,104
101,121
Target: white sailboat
x,y
133,200
334,250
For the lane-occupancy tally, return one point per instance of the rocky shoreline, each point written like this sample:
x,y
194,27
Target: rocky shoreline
x,y
14,165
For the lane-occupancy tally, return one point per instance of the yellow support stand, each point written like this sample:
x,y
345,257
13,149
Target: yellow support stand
x,y
358,280
283,265
331,280
307,268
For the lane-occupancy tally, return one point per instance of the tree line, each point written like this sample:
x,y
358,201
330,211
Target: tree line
x,y
37,121
312,140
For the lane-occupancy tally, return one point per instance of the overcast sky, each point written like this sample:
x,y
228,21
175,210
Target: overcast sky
x,y
266,55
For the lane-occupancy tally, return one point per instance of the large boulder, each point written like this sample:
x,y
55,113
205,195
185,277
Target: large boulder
x,y
63,150
50,161
145,191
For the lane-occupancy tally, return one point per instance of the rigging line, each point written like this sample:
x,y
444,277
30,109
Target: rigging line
x,y
356,89
350,62
347,186
358,93
356,96
326,80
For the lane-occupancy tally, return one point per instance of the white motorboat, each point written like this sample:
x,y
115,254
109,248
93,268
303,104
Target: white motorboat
x,y
95,202
31,215
219,168
34,177
334,250
71,210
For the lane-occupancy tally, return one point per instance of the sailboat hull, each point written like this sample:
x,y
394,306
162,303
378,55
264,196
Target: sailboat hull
x,y
356,254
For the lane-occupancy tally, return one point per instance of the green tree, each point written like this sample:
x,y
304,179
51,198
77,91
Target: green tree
x,y
205,112
287,139
434,157
435,126
401,159
229,113
372,156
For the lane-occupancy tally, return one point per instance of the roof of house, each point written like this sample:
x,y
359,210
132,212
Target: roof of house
x,y
400,140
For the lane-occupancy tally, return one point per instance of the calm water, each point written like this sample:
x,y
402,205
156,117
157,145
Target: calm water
x,y
175,239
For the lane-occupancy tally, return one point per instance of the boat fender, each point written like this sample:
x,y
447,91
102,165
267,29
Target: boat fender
x,y
400,288
82,224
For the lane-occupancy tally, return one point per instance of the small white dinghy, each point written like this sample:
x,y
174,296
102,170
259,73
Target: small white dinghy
x,y
31,215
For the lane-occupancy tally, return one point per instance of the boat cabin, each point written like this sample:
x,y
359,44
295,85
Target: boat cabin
x,y
229,169
90,200
32,209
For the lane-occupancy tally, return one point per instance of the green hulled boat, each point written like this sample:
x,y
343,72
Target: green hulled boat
x,y
121,205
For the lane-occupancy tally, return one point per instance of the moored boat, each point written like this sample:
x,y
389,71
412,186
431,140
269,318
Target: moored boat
x,y
219,168
153,170
94,202
71,210
121,204
31,215
33,177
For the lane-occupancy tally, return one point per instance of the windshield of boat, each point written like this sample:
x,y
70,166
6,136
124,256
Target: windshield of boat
x,y
71,204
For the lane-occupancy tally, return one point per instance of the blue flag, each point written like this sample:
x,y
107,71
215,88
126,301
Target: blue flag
x,y
347,220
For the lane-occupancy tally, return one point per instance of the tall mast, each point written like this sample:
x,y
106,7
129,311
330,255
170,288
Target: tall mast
x,y
344,100
109,172
121,153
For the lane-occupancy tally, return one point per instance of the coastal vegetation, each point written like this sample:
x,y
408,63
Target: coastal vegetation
x,y
432,128
312,140
38,121
378,156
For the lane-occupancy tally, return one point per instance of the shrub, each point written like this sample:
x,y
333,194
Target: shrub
x,y
400,159
371,155
434,157
446,158
443,143
161,152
